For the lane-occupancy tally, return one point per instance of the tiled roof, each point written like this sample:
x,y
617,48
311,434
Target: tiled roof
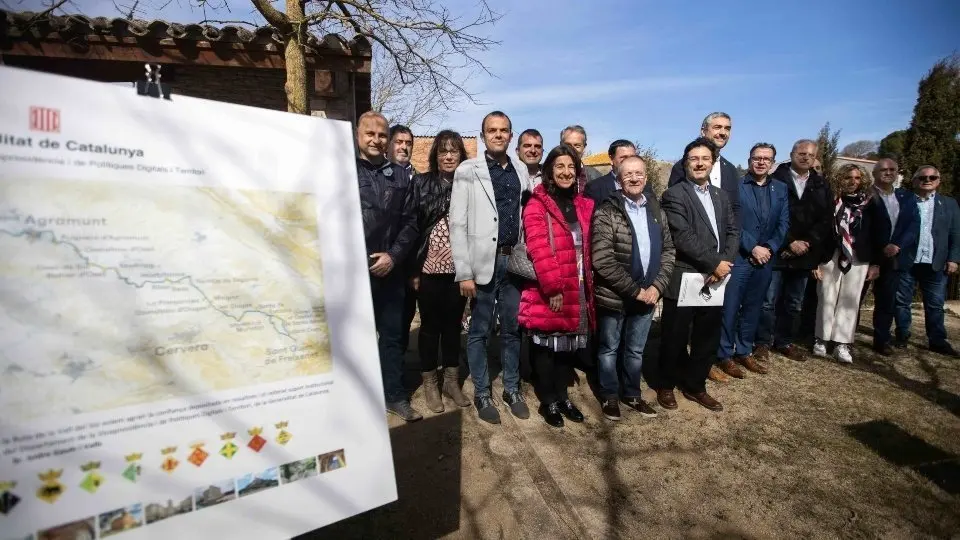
x,y
421,151
29,26
600,158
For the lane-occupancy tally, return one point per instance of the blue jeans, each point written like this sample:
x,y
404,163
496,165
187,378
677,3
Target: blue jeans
x,y
388,312
502,292
793,288
632,329
742,305
768,314
933,288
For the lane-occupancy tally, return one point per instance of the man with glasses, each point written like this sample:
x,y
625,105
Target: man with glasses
x,y
929,261
764,218
576,137
810,229
706,239
895,228
601,188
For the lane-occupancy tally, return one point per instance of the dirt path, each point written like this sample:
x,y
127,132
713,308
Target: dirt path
x,y
812,449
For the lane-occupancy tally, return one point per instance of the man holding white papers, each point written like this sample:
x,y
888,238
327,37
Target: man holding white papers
x,y
706,238
764,219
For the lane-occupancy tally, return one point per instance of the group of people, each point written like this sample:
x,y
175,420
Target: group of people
x,y
576,262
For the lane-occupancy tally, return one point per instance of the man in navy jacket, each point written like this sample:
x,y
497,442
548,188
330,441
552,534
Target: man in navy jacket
x,y
764,219
933,257
716,127
601,188
896,226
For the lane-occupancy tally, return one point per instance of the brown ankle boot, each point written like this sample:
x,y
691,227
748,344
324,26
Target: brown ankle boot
x,y
451,387
431,391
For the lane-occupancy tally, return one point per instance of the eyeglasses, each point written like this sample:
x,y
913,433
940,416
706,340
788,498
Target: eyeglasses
x,y
761,160
930,178
631,176
448,153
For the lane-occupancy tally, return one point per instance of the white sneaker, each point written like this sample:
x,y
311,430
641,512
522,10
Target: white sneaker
x,y
819,348
842,353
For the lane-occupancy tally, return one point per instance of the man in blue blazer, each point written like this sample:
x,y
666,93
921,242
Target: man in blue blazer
x,y
716,127
601,188
764,219
934,255
896,226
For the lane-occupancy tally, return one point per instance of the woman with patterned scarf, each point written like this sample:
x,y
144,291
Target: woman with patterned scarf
x,y
845,263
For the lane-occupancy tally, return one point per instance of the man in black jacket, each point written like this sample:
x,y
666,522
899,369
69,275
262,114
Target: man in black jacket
x,y
811,213
390,230
706,239
716,127
601,188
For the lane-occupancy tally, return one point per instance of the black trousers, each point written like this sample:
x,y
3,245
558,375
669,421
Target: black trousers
x,y
553,372
409,312
700,328
441,312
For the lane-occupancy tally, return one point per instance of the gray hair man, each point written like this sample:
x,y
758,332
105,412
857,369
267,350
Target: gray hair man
x,y
716,127
933,257
576,137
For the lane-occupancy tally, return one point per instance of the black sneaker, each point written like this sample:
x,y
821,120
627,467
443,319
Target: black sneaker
x,y
611,409
899,343
551,414
517,404
404,410
568,409
641,407
486,410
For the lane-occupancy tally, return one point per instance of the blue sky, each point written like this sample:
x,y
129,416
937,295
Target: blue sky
x,y
650,70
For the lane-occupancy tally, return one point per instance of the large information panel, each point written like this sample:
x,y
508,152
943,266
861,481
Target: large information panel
x,y
187,345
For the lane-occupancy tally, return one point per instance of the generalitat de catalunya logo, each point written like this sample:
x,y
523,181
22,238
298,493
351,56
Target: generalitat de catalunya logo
x,y
45,119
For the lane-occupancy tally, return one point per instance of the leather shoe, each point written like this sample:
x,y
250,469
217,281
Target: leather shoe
x,y
883,349
792,352
551,414
945,349
730,368
752,365
717,375
568,409
666,399
761,353
704,400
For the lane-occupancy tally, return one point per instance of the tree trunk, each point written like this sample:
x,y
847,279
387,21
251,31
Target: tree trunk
x,y
295,58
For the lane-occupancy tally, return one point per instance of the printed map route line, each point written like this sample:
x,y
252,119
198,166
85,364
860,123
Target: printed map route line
x,y
34,235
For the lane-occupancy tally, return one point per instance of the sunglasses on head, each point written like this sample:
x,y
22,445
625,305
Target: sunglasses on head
x,y
931,178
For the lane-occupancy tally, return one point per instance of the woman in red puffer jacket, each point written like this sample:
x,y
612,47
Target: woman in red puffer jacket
x,y
557,309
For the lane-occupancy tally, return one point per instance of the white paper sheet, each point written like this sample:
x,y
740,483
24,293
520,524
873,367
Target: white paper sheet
x,y
693,293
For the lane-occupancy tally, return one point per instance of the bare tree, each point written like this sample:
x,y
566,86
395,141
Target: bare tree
x,y
860,149
410,104
426,46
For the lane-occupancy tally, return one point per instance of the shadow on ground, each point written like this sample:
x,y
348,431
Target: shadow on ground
x,y
427,464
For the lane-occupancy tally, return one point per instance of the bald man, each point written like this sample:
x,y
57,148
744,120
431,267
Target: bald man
x,y
389,229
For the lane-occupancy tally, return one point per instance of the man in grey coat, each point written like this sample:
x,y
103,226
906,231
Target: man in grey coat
x,y
484,228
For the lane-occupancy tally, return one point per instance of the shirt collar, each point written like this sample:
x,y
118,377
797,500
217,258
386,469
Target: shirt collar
x,y
796,176
386,167
749,179
928,199
704,189
639,204
491,163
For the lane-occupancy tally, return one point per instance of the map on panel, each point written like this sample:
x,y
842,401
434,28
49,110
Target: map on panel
x,y
115,295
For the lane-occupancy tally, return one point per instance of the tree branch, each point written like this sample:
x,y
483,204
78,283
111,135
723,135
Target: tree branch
x,y
274,17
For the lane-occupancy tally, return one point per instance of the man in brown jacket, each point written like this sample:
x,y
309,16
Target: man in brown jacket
x,y
633,258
